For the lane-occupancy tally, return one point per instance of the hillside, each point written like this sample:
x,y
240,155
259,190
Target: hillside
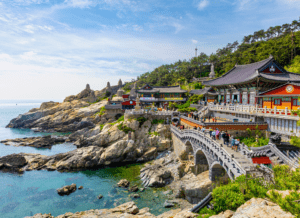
x,y
283,42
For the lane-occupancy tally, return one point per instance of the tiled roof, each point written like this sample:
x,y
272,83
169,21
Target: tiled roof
x,y
204,91
243,73
163,89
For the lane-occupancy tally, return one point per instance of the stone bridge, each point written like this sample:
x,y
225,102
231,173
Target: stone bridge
x,y
209,153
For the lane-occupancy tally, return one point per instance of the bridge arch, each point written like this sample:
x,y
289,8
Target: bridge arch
x,y
219,172
201,162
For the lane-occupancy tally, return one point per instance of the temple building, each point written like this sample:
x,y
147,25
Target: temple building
x,y
161,95
281,97
244,83
209,94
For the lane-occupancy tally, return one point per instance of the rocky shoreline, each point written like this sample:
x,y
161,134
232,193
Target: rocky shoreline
x,y
37,142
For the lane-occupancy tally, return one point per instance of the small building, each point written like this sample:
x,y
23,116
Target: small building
x,y
209,94
281,97
129,104
161,95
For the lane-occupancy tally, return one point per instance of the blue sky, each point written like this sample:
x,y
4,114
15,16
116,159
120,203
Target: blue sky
x,y
50,49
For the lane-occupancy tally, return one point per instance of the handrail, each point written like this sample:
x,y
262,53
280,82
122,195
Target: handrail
x,y
253,109
181,132
202,203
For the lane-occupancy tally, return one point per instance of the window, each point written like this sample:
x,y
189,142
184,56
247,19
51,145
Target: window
x,y
296,102
277,101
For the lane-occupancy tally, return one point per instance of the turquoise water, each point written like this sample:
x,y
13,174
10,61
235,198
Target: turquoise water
x,y
35,191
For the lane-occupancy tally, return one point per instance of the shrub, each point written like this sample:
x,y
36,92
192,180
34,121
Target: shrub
x,y
101,126
101,112
156,121
141,120
187,110
125,128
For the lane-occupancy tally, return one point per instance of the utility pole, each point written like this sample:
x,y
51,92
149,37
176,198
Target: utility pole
x,y
196,52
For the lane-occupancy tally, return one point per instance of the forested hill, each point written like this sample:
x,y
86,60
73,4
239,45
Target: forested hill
x,y
283,42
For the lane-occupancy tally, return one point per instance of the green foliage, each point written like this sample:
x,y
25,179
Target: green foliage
x,y
295,141
249,132
141,120
206,213
101,112
198,86
156,121
295,65
251,141
277,41
125,128
237,192
257,131
101,126
196,98
187,110
153,133
182,106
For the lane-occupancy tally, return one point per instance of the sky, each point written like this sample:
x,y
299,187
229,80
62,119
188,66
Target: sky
x,y
50,49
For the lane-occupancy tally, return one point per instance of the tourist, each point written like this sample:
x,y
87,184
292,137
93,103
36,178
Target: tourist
x,y
213,119
236,144
217,133
209,118
226,141
232,142
201,119
210,131
203,129
213,134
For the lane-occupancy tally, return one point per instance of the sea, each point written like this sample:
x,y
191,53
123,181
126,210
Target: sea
x,y
34,192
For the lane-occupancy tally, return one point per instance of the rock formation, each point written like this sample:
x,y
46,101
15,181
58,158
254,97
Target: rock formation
x,y
258,208
66,190
87,95
63,117
127,210
101,148
37,142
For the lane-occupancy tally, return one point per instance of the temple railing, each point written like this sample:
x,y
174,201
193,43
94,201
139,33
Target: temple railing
x,y
254,110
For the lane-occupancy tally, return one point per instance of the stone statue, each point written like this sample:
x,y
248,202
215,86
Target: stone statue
x,y
212,71
108,85
87,87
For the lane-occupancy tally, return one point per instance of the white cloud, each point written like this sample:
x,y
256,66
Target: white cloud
x,y
202,4
194,41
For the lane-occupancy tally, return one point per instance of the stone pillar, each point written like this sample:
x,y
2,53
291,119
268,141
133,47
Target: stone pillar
x,y
275,110
265,109
286,110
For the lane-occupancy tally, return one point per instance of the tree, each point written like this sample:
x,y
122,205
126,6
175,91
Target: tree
x,y
196,98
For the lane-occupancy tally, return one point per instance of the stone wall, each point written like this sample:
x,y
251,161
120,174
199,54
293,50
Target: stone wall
x,y
178,146
149,116
231,116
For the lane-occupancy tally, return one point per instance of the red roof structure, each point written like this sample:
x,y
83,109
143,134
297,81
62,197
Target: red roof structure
x,y
261,160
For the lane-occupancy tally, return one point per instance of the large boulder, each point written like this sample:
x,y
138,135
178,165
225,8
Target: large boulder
x,y
66,190
12,162
258,208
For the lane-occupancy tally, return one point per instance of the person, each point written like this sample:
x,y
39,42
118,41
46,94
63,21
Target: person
x,y
209,118
226,141
232,142
213,119
195,128
213,133
217,133
204,119
203,129
210,131
236,144
201,119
